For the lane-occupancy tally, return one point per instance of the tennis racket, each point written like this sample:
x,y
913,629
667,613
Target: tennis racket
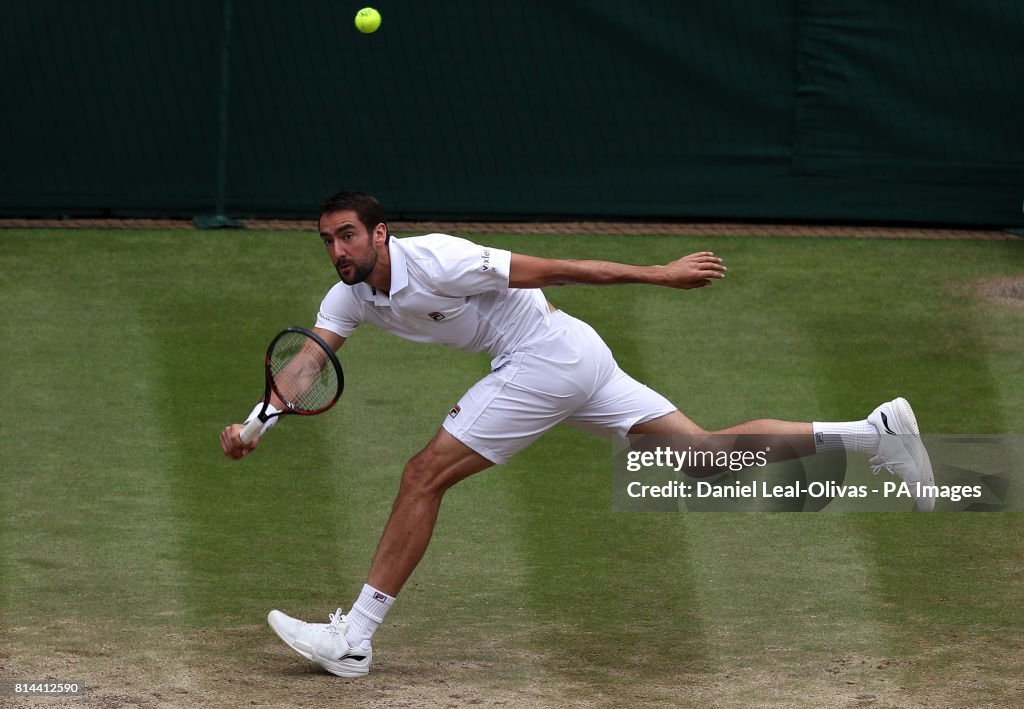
x,y
303,373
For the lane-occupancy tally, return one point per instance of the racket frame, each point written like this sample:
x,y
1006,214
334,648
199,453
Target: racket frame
x,y
257,422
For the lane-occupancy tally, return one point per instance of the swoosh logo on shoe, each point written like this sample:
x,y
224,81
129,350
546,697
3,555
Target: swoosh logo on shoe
x,y
885,422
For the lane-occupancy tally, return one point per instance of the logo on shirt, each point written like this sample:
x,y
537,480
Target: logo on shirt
x,y
486,256
436,316
455,411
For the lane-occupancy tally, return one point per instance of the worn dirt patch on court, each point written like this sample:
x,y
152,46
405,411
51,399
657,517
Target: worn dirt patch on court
x,y
1008,291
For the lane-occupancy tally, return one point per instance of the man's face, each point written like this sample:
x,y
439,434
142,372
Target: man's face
x,y
350,245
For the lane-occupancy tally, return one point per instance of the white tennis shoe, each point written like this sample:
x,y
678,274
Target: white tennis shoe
x,y
901,450
323,643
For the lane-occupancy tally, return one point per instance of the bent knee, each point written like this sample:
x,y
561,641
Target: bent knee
x,y
427,474
419,477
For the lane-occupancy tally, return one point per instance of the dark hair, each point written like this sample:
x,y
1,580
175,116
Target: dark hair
x,y
366,207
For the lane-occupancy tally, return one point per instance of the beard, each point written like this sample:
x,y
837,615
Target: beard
x,y
358,272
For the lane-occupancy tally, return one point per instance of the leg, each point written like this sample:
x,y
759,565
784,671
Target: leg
x,y
444,462
342,647
890,434
787,439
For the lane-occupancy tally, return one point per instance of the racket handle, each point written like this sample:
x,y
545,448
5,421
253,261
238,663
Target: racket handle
x,y
251,429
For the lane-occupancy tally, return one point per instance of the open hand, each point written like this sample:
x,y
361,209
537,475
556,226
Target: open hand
x,y
694,271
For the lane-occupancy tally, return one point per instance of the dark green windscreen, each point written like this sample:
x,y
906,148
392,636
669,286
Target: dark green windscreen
x,y
866,110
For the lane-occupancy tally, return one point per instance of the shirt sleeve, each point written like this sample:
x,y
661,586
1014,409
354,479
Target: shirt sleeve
x,y
339,312
460,267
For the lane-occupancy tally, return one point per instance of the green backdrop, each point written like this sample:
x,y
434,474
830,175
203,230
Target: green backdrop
x,y
864,110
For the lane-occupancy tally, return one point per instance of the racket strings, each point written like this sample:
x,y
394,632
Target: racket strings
x,y
302,373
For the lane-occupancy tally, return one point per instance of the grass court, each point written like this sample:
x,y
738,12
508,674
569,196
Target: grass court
x,y
136,558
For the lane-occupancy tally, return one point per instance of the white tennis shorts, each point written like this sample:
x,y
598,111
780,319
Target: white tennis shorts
x,y
569,375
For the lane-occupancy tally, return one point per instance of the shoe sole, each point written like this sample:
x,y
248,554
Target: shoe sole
x,y
336,668
905,419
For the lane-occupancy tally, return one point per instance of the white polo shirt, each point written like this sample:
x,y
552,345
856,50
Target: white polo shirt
x,y
447,290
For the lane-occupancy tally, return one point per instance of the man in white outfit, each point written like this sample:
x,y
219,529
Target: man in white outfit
x,y
547,367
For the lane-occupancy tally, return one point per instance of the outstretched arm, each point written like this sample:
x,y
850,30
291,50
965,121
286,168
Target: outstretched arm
x,y
693,271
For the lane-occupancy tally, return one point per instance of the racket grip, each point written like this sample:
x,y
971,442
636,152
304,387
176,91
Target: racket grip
x,y
251,429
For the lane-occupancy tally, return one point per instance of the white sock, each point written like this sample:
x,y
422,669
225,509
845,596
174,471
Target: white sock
x,y
856,436
366,615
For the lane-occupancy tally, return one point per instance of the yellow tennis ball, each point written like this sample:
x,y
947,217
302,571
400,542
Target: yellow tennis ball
x,y
367,20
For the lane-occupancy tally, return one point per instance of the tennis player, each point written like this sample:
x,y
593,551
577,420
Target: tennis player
x,y
548,368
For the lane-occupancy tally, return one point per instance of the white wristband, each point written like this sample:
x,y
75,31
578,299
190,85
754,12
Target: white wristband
x,y
271,409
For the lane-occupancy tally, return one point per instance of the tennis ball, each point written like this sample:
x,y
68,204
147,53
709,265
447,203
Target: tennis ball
x,y
367,20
